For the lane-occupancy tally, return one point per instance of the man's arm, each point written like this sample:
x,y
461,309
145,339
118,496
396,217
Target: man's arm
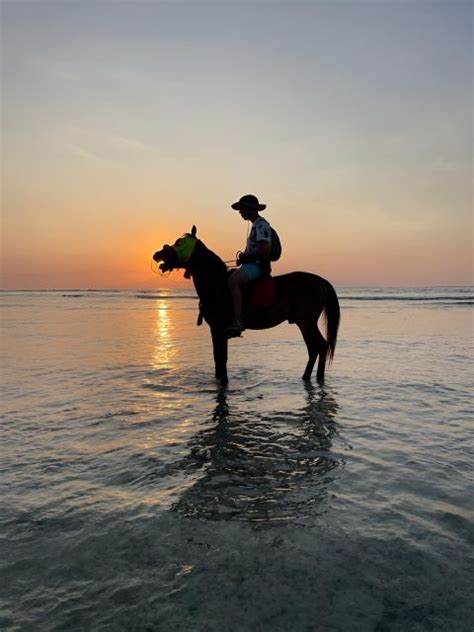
x,y
261,250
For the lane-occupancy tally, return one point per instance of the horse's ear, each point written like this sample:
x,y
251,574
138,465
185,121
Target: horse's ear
x,y
193,231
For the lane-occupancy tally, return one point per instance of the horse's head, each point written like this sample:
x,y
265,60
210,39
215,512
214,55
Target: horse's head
x,y
179,254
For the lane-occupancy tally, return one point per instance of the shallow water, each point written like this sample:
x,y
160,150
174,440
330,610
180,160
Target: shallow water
x,y
138,496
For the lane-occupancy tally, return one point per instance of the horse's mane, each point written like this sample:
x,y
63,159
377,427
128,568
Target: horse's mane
x,y
204,256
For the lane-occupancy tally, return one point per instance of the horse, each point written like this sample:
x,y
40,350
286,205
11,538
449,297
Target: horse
x,y
299,298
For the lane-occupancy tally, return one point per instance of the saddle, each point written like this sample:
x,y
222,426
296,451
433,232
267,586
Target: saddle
x,y
259,294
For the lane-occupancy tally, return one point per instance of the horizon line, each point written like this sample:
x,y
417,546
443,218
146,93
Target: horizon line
x,y
149,289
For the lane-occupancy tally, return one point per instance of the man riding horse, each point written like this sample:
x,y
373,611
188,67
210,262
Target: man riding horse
x,y
297,297
254,262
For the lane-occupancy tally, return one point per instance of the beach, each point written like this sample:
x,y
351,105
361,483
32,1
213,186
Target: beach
x,y
137,495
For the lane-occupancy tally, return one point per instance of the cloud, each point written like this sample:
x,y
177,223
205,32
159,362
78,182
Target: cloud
x,y
126,142
443,165
97,145
79,151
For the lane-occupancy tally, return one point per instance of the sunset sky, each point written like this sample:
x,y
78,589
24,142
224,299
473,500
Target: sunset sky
x,y
124,123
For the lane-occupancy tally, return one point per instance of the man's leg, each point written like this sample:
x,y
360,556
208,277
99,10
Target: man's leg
x,y
236,280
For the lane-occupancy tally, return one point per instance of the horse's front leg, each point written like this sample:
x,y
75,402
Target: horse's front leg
x,y
219,346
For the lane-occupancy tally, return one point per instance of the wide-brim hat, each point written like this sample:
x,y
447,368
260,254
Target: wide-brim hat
x,y
249,201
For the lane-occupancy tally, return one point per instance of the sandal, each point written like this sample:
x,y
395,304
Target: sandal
x,y
234,331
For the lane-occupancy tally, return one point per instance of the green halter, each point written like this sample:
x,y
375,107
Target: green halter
x,y
184,247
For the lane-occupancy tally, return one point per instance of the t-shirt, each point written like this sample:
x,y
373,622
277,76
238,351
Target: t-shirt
x,y
260,231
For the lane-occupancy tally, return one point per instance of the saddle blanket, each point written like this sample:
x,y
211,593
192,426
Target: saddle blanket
x,y
261,293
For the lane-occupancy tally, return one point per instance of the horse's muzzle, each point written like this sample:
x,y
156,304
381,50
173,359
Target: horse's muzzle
x,y
168,258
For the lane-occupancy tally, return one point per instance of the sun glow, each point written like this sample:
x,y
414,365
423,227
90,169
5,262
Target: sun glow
x,y
94,184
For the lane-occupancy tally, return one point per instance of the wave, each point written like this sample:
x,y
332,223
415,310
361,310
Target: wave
x,y
457,300
165,297
450,299
460,296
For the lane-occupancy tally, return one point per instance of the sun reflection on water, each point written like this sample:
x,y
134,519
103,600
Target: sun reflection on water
x,y
165,348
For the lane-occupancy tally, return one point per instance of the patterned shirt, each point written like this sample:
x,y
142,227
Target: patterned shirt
x,y
260,231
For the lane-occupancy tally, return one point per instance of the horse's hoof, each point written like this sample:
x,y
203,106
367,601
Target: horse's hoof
x,y
320,378
306,378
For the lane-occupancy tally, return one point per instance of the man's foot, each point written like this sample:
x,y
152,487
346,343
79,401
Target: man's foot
x,y
234,330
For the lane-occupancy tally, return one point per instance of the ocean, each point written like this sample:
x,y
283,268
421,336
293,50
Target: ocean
x,y
137,495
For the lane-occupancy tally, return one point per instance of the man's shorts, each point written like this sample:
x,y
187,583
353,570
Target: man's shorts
x,y
253,271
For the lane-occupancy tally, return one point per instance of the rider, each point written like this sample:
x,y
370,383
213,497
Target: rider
x,y
254,262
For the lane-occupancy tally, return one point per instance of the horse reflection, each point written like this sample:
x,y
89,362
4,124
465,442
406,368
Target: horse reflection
x,y
263,467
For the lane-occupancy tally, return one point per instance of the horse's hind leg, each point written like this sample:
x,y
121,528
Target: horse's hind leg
x,y
323,347
316,345
311,339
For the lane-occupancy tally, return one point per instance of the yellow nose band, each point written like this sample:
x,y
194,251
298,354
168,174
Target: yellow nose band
x,y
184,248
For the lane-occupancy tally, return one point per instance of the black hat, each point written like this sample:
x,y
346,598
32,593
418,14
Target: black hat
x,y
249,201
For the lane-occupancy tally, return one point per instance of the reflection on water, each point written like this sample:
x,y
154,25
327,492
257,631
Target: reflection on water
x,y
165,348
263,467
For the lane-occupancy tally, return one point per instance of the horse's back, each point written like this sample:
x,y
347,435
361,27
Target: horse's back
x,y
299,275
296,283
294,296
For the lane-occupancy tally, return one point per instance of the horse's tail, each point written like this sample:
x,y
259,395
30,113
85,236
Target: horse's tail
x,y
333,317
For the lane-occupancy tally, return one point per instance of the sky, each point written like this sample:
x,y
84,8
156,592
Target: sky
x,y
125,123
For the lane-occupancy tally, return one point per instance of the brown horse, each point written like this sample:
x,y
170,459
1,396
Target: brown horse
x,y
299,297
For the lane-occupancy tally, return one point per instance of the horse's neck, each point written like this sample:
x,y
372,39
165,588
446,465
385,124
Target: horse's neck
x,y
209,273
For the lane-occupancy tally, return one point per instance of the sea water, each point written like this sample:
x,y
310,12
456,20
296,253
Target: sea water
x,y
137,495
